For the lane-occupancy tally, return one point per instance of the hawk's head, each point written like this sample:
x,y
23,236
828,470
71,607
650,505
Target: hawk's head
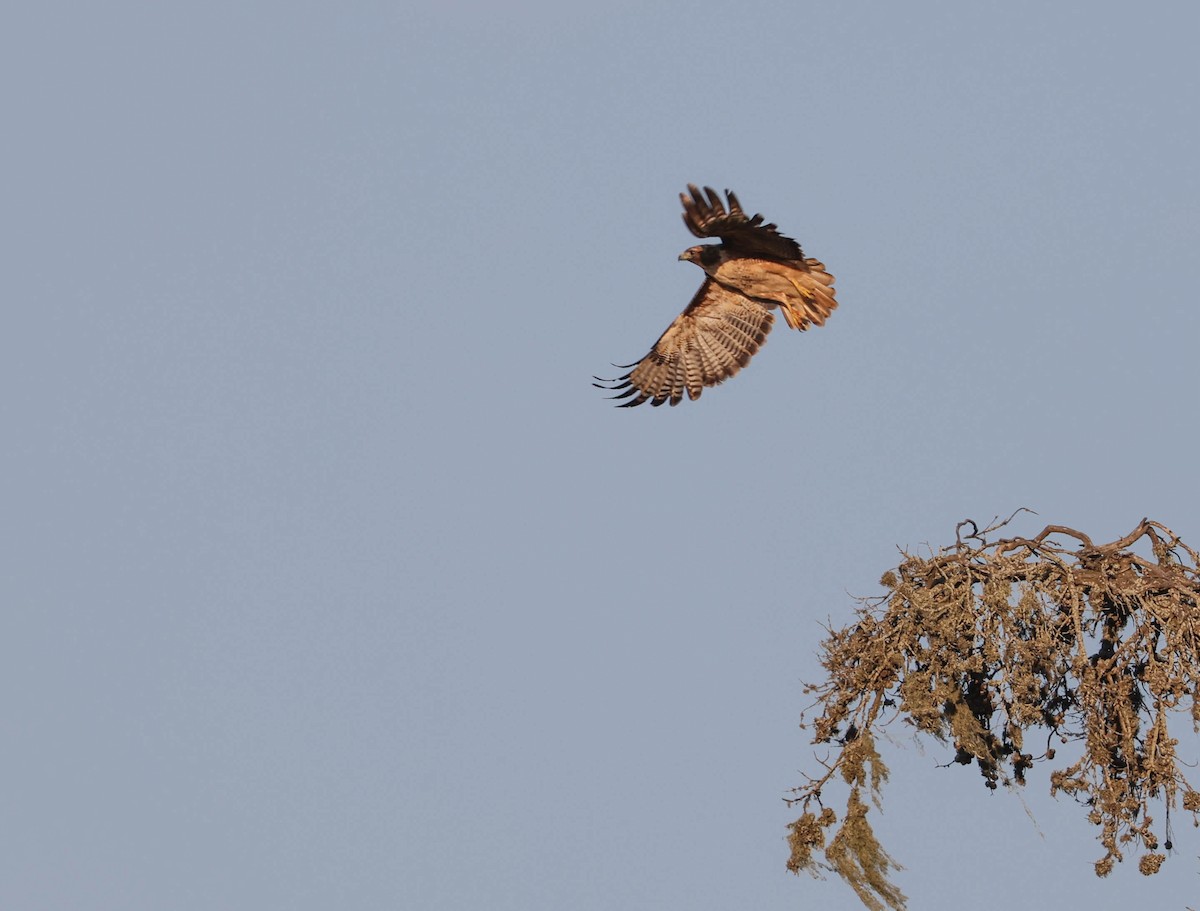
x,y
706,256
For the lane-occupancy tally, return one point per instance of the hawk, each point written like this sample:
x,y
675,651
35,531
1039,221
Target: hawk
x,y
752,271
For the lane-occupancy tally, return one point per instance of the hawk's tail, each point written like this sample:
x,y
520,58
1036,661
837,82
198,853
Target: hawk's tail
x,y
815,300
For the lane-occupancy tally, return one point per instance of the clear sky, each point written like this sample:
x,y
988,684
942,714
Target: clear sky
x,y
331,582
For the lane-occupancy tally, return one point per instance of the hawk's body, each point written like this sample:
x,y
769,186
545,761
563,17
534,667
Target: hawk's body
x,y
751,272
801,287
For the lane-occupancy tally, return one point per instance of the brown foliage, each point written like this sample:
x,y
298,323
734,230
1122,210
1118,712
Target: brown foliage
x,y
986,646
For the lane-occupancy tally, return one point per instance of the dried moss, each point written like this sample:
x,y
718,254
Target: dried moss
x,y
988,647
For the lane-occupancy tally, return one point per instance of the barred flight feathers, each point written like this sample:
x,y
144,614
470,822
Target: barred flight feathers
x,y
709,342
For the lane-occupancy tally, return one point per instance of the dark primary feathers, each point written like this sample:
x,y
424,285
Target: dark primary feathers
x,y
753,271
706,217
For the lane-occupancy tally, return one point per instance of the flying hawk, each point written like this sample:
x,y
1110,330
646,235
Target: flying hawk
x,y
751,272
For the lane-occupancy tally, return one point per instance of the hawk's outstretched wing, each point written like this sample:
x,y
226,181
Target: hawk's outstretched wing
x,y
709,342
706,217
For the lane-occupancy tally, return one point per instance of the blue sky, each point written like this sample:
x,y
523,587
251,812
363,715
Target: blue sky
x,y
331,580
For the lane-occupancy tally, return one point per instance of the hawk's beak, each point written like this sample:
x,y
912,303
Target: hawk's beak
x,y
684,255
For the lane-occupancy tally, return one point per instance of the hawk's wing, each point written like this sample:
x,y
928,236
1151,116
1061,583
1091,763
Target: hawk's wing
x,y
709,342
706,217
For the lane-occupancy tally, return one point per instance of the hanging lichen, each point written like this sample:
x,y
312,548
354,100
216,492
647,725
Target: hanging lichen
x,y
1004,651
